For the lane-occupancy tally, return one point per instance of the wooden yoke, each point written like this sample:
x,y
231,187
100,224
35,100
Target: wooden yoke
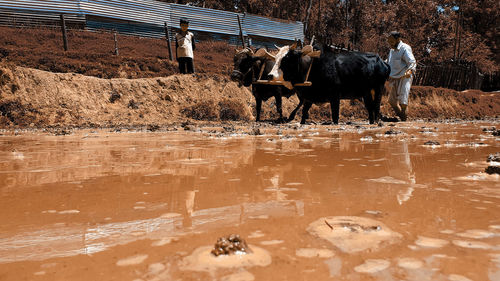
x,y
306,82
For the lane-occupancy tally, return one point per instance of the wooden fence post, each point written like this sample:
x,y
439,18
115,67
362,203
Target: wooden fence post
x,y
116,44
63,28
241,33
167,35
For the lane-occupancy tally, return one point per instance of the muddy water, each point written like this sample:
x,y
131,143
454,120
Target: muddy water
x,y
314,202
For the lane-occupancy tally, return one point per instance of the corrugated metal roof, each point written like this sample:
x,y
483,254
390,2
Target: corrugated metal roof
x,y
51,6
265,27
143,15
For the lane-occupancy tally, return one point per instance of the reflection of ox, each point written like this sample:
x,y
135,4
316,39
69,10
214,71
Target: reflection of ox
x,y
249,67
335,76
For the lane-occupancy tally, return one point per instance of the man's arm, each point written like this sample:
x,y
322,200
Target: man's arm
x,y
411,62
193,42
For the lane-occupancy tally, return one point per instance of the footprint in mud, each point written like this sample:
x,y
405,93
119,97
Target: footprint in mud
x,y
353,234
372,266
476,234
133,260
239,276
256,234
313,253
427,242
271,242
472,244
410,263
456,277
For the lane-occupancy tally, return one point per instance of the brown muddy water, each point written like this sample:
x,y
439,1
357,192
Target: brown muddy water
x,y
313,203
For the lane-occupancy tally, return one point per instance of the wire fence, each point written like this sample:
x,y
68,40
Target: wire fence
x,y
146,18
449,75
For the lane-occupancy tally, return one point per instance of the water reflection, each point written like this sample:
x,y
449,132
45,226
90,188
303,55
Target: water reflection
x,y
66,196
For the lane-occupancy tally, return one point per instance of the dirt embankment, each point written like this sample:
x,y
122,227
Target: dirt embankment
x,y
141,87
39,99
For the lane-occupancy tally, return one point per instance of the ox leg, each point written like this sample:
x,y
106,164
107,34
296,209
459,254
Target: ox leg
x,y
305,112
292,115
369,107
377,101
258,107
278,100
335,107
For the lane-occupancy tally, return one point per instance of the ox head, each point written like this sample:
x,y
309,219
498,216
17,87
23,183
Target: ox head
x,y
247,64
243,64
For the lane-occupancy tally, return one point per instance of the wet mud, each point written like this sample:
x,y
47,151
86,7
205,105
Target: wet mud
x,y
313,202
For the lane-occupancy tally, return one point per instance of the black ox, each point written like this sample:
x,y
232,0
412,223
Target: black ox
x,y
246,71
336,76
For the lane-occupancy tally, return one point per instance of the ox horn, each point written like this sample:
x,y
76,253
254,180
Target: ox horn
x,y
262,52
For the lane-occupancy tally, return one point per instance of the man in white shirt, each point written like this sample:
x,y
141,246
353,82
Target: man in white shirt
x,y
184,46
403,67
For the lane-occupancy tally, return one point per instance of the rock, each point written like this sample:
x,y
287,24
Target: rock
x,y
494,157
153,127
431,142
114,97
393,132
493,170
132,104
230,245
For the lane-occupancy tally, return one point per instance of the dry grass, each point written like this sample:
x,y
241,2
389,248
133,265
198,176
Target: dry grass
x,y
233,110
203,110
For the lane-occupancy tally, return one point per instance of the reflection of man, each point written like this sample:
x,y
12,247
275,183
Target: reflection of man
x,y
403,66
400,168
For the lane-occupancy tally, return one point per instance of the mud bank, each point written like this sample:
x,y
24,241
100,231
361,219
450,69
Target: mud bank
x,y
40,99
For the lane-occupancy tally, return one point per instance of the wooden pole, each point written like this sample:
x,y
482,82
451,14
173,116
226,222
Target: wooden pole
x,y
63,28
241,33
169,45
308,14
460,18
116,43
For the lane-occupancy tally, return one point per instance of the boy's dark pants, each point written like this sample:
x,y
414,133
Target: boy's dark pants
x,y
186,65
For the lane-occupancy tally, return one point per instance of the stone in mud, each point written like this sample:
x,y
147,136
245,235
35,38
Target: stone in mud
x,y
153,127
230,245
353,234
490,170
114,97
133,104
494,157
431,142
393,132
203,260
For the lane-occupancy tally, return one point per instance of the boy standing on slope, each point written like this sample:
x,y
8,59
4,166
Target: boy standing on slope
x,y
184,45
